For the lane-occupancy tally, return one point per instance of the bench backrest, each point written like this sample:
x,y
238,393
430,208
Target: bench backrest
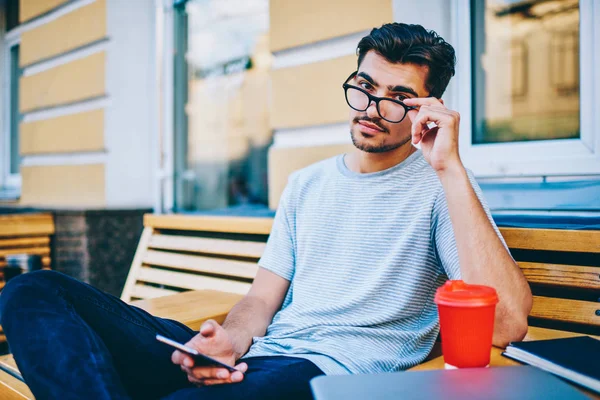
x,y
178,253
26,234
563,270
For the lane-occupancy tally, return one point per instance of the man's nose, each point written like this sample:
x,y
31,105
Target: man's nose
x,y
372,110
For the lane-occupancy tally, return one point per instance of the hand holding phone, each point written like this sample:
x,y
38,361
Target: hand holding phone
x,y
215,356
200,360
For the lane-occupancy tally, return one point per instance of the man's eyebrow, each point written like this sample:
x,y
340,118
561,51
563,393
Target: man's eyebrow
x,y
368,78
402,89
393,89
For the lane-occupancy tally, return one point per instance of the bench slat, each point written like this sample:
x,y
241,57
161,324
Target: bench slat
x,y
191,308
12,388
25,241
42,251
8,363
240,269
565,310
26,225
562,275
150,292
251,225
552,239
191,281
236,248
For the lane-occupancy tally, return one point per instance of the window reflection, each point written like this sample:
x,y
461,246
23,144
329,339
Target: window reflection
x,y
526,70
224,132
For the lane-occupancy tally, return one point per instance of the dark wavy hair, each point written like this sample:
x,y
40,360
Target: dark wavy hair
x,y
413,44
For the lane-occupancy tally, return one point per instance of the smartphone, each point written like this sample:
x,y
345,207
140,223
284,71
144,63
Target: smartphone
x,y
200,360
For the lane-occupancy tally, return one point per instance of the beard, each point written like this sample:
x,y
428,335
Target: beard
x,y
381,148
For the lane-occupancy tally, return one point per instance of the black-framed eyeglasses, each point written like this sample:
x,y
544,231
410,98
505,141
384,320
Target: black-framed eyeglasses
x,y
359,99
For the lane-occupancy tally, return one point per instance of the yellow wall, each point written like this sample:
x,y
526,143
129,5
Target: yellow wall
x,y
68,83
75,29
60,185
284,161
296,23
60,84
311,94
67,134
34,8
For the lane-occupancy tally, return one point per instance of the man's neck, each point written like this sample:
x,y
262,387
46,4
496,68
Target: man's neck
x,y
362,162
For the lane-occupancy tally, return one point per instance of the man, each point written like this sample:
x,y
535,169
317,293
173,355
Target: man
x,y
358,247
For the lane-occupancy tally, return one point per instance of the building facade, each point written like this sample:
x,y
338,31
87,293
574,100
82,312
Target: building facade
x,y
209,105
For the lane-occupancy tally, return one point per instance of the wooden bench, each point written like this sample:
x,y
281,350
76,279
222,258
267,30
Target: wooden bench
x,y
185,268
563,270
180,257
178,253
28,233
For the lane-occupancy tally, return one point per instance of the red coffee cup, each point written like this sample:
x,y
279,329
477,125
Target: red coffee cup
x,y
467,323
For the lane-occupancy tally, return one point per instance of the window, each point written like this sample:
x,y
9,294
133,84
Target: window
x,y
221,118
9,144
525,65
14,116
526,86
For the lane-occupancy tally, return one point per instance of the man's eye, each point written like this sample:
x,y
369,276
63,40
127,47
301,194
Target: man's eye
x,y
401,97
366,85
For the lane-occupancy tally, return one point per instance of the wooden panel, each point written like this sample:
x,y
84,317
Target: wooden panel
x,y
257,226
136,264
284,161
67,134
150,292
75,81
552,239
537,333
236,248
192,308
210,265
42,251
310,94
562,275
295,23
33,8
583,312
8,363
190,281
24,242
26,225
12,388
63,185
75,29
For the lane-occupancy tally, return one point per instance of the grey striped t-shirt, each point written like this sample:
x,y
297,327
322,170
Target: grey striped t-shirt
x,y
364,254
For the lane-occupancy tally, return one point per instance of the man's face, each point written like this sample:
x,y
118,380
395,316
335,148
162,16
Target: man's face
x,y
371,133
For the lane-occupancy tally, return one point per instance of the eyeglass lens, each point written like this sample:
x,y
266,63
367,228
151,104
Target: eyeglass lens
x,y
388,110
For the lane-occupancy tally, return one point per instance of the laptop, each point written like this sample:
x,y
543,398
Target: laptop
x,y
502,383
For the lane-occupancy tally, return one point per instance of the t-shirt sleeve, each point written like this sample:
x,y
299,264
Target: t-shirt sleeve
x,y
279,255
443,234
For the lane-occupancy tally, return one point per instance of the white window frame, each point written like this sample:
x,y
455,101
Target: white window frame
x,y
164,142
565,157
12,181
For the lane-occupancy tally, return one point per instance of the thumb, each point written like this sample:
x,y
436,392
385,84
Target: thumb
x,y
209,328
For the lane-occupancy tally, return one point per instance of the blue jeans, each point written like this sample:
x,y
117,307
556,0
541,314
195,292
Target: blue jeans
x,y
73,341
